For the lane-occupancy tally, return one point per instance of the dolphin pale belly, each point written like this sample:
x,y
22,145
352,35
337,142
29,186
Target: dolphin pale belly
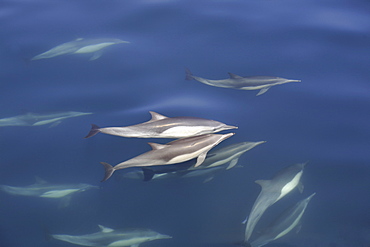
x,y
272,191
282,225
108,237
174,152
262,83
34,119
160,126
80,46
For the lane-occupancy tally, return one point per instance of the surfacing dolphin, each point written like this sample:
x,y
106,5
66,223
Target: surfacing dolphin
x,y
34,119
282,225
160,126
262,83
108,237
174,152
272,191
80,46
47,190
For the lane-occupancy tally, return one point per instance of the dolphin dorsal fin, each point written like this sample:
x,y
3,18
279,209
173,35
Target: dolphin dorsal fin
x,y
233,76
40,180
263,183
156,146
105,229
156,116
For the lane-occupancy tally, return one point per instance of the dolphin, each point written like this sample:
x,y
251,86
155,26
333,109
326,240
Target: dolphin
x,y
160,126
286,222
262,83
113,238
80,46
272,191
219,157
47,190
229,154
34,119
173,152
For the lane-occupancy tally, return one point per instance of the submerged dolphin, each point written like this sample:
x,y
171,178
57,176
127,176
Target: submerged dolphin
x,y
108,237
173,152
286,222
243,83
80,46
160,126
34,119
229,154
272,191
44,189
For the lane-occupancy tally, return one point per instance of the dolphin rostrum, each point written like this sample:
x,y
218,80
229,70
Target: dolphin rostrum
x,y
113,238
262,83
272,191
160,126
80,46
282,225
174,152
33,119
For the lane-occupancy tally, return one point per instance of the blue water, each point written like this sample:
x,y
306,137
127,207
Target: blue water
x,y
323,120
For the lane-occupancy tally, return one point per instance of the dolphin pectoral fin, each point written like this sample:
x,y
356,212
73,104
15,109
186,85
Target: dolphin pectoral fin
x,y
64,202
148,174
54,124
200,159
300,187
96,55
108,171
94,130
232,163
263,90
156,146
134,245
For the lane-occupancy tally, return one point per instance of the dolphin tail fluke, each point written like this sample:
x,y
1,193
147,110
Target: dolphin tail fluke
x,y
94,130
189,75
108,171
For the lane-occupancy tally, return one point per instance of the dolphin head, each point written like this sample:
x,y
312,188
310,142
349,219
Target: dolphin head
x,y
222,127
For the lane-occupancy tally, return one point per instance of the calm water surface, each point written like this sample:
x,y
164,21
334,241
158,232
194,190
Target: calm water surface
x,y
323,120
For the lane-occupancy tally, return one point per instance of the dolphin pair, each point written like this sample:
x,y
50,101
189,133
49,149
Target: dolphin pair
x,y
47,190
80,46
262,83
33,119
272,191
113,238
160,126
174,152
282,225
223,158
